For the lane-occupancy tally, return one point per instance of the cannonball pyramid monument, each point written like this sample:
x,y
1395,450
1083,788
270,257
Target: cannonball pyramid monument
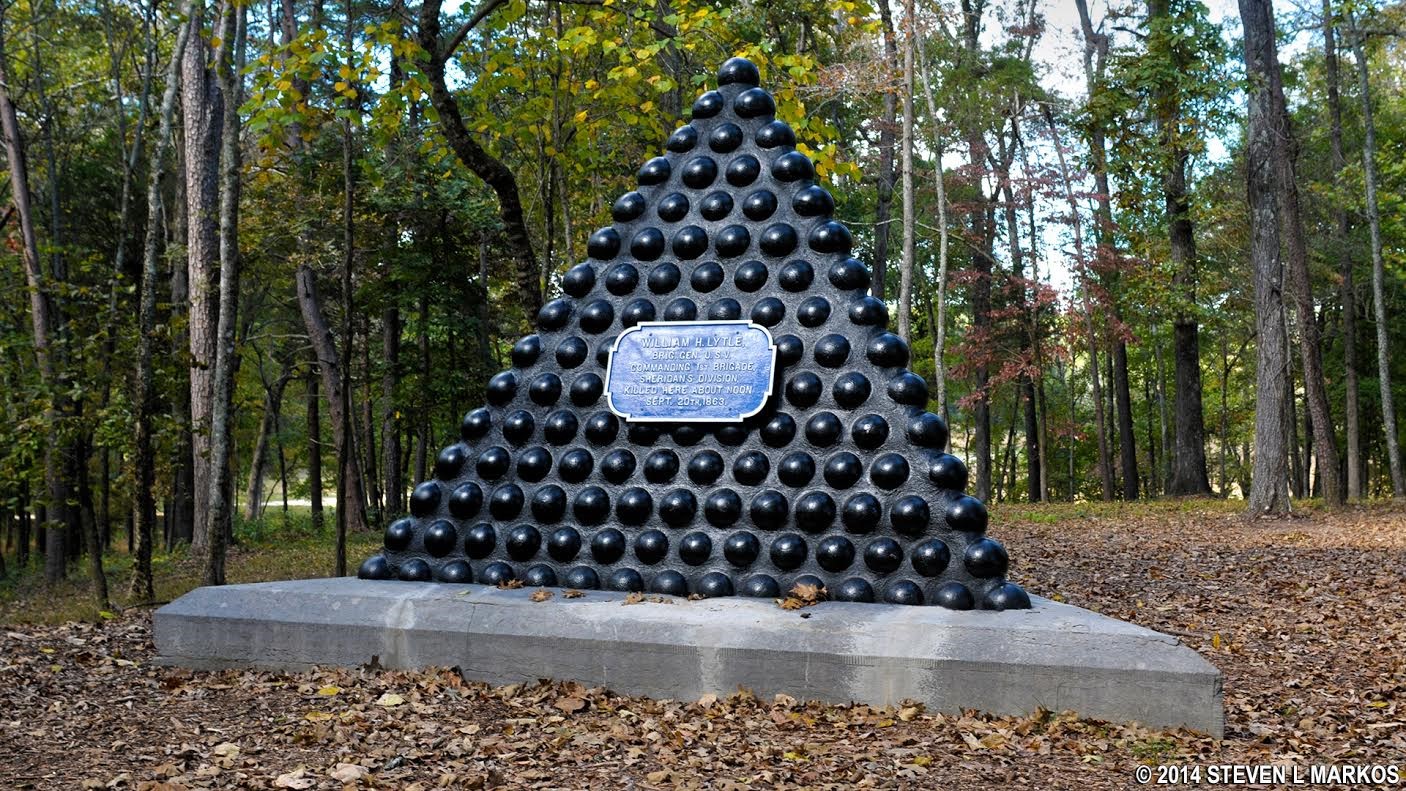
x,y
713,414
839,481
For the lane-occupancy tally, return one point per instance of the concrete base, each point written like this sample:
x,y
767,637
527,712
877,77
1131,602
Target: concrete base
x,y
1054,655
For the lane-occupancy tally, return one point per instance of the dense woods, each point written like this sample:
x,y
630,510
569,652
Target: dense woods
x,y
262,257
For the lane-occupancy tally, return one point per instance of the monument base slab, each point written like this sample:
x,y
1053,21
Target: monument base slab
x,y
1053,655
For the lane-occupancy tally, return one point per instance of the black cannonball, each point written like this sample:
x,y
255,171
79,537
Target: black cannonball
x,y
796,276
851,389
501,388
655,171
591,505
586,389
751,468
672,207
526,351
708,105
948,472
778,239
544,389
480,540
775,135
887,350
805,388
617,466
743,170
722,507
678,508
621,279
834,553
634,506
688,434
883,555
793,166
564,544
540,576
732,241
853,589
779,430
909,388
664,278
582,578
910,515
815,512
506,501
849,274
903,592
889,471
862,513
769,510
953,596
843,470
440,538
928,431
576,465
636,311
661,466
754,103
759,205
715,206
669,583
788,551
789,350
450,461
624,580
695,548
497,573
869,432
832,351
456,571
869,311
518,426
824,429
813,311
493,463
523,542
416,570
750,276
699,172
549,503
476,424
1007,596
597,316
986,558
399,535
532,466
726,309
555,314
796,469
608,546
830,237
602,428
715,584
738,71
725,138
628,207
967,514
424,500
768,312
647,244
706,277
741,548
560,427
683,139
643,433
732,435
651,546
603,244
931,557
571,352
706,467
813,201
761,586
465,501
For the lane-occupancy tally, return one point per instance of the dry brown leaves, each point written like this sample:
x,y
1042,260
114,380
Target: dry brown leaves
x,y
1306,618
803,595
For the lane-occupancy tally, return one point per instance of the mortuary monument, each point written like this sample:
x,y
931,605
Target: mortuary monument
x,y
715,408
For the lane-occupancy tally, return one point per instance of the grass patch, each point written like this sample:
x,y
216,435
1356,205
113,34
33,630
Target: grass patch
x,y
273,548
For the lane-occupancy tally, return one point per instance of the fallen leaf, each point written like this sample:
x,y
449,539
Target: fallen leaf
x,y
294,779
570,704
389,699
541,595
573,594
349,773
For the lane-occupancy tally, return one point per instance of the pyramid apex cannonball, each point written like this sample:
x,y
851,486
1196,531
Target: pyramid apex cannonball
x,y
740,71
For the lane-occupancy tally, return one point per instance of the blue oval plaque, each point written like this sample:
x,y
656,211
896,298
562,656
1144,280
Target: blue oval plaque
x,y
690,371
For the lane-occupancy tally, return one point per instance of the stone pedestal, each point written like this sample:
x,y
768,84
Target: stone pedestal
x,y
1051,655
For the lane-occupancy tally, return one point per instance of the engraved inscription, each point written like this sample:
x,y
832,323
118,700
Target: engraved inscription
x,y
694,371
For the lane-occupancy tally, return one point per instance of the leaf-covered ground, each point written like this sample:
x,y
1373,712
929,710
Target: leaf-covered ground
x,y
1306,617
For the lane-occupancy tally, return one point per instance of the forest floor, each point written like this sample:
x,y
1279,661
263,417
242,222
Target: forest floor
x,y
1306,617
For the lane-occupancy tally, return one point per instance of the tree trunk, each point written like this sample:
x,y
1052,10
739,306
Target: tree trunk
x,y
983,237
268,426
390,412
1269,494
1374,225
314,450
883,211
202,113
905,274
940,330
422,425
